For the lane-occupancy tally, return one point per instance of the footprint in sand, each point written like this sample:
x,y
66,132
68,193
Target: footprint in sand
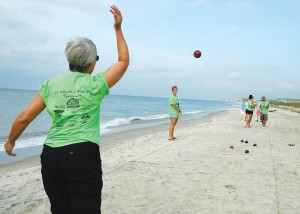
x,y
230,186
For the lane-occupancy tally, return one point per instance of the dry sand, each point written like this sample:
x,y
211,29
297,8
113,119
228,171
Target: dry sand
x,y
198,173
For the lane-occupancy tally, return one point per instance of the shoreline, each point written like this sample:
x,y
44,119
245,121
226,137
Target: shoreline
x,y
143,172
107,140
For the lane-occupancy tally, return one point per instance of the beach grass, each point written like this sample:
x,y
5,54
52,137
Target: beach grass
x,y
286,104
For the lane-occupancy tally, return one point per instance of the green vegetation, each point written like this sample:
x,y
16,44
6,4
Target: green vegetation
x,y
275,103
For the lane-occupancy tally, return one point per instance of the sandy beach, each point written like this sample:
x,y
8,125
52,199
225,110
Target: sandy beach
x,y
198,173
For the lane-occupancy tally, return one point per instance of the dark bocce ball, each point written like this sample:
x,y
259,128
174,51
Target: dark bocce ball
x,y
197,54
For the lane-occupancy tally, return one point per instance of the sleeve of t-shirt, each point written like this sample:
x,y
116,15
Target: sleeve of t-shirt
x,y
44,91
99,84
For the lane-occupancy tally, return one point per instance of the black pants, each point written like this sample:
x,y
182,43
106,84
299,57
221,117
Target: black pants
x,y
249,112
72,177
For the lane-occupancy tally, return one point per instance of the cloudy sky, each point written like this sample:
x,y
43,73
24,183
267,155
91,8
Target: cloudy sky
x,y
248,47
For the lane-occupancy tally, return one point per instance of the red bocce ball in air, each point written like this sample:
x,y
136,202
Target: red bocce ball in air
x,y
197,54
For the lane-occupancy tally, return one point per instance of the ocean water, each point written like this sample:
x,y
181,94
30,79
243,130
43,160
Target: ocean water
x,y
118,113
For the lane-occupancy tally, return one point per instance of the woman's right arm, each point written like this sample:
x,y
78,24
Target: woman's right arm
x,y
116,71
36,106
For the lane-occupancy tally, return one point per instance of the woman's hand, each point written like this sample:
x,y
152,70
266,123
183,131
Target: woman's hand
x,y
9,146
117,15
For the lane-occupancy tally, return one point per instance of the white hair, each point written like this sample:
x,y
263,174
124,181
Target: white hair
x,y
80,52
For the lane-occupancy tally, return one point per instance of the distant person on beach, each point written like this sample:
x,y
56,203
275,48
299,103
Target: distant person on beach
x,y
174,111
258,112
264,105
249,111
243,108
246,115
71,163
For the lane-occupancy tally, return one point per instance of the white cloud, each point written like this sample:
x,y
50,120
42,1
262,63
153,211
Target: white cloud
x,y
233,29
240,6
234,75
192,3
286,85
202,2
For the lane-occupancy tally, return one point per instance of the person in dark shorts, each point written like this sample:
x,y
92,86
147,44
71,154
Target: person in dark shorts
x,y
249,111
264,105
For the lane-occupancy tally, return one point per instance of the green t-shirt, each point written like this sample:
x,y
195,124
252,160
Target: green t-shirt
x,y
249,106
264,106
73,102
173,100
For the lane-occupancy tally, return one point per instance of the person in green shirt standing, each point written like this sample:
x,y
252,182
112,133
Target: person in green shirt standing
x,y
71,163
249,110
264,106
174,112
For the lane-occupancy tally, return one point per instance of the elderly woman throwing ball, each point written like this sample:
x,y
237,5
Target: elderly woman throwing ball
x,y
71,164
